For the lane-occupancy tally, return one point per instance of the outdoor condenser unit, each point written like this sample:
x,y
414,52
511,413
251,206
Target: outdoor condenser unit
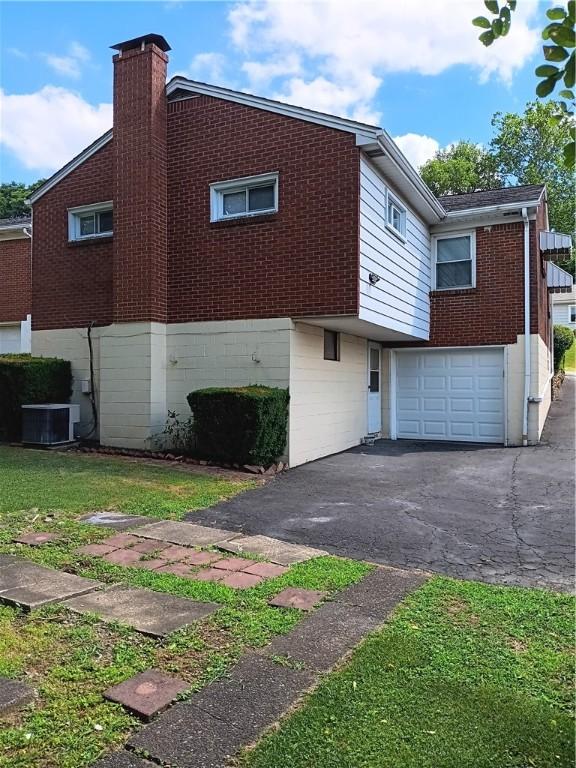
x,y
50,424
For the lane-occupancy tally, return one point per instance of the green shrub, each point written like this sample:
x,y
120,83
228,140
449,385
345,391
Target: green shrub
x,y
240,425
563,340
25,379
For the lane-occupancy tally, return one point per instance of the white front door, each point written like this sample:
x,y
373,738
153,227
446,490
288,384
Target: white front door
x,y
374,389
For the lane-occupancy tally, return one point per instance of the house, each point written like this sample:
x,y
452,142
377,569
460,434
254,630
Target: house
x,y
15,285
564,309
217,238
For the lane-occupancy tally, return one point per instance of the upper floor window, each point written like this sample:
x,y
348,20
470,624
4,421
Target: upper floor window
x,y
396,216
454,261
251,196
90,221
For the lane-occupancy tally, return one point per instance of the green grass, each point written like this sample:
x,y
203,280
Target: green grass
x,y
71,660
464,676
570,359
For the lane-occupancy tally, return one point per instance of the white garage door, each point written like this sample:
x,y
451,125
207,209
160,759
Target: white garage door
x,y
9,338
451,395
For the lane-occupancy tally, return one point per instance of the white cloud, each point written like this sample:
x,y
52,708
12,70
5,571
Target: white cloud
x,y
417,148
260,73
349,47
45,129
208,67
71,64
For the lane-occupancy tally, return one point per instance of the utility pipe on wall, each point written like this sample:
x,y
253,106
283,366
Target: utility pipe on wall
x,y
527,355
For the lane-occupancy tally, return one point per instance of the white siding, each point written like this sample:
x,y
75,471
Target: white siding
x,y
561,314
400,301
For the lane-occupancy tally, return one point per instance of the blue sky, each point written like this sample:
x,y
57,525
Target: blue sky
x,y
413,67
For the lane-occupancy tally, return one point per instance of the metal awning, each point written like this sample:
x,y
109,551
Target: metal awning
x,y
555,244
559,281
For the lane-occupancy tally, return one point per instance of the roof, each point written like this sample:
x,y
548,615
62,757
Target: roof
x,y
136,42
15,221
528,193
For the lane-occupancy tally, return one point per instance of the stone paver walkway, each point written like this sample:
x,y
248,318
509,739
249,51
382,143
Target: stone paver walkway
x,y
186,534
14,695
116,520
281,552
27,585
146,694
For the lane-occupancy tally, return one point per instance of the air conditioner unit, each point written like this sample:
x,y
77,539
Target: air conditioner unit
x,y
49,424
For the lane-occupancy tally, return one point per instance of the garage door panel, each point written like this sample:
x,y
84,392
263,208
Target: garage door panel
x,y
460,395
9,339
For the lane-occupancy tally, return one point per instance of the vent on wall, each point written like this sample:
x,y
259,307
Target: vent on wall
x,y
50,424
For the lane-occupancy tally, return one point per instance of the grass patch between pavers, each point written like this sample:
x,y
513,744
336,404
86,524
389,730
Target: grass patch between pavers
x,y
464,676
72,659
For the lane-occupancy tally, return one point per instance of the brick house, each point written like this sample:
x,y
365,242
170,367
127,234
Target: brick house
x,y
216,238
15,284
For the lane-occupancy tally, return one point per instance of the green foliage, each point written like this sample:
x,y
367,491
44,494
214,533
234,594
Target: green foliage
x,y
25,379
563,340
13,196
561,39
240,425
462,167
178,433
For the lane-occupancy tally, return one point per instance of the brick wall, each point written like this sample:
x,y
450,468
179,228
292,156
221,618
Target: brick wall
x,y
72,282
15,280
304,260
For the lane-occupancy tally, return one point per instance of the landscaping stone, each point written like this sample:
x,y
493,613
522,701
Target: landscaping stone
x,y
120,540
126,557
116,520
266,570
224,716
95,550
294,597
233,564
185,534
29,586
14,695
146,546
123,759
241,580
280,552
36,539
146,694
210,574
152,613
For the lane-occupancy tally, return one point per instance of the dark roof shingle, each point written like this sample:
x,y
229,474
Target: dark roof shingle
x,y
16,221
503,196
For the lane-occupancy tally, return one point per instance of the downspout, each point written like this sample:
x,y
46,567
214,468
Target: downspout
x,y
527,356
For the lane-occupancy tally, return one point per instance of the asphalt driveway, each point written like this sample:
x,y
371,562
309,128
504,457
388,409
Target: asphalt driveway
x,y
501,515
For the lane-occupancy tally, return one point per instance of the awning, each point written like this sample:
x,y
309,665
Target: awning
x,y
559,281
555,244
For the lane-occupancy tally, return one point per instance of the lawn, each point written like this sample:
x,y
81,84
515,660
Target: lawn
x,y
71,660
570,359
464,676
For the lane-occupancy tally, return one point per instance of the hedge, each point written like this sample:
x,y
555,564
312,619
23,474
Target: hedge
x,y
25,379
240,425
563,340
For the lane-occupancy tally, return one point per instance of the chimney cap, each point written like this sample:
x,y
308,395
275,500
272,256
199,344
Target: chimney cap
x,y
137,42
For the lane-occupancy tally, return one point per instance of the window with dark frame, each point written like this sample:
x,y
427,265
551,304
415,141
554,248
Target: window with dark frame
x,y
331,345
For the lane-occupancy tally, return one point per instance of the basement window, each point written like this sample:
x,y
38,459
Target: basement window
x,y
90,221
331,345
249,196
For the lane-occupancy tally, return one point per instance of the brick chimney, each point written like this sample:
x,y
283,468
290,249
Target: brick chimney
x,y
139,146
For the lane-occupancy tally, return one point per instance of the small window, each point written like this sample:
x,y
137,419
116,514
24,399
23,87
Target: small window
x,y
331,345
396,216
90,221
454,256
251,196
572,313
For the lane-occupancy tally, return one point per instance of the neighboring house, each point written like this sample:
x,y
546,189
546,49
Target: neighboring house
x,y
564,309
216,238
15,284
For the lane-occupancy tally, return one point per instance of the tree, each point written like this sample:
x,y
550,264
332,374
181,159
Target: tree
x,y
13,196
461,167
559,53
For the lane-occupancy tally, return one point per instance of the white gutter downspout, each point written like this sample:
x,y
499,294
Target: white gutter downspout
x,y
527,356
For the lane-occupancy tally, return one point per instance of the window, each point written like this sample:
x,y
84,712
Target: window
x,y
572,313
396,216
251,196
90,221
331,345
454,257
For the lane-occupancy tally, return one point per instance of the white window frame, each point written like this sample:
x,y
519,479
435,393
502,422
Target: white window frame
x,y
393,200
74,215
220,188
472,235
571,307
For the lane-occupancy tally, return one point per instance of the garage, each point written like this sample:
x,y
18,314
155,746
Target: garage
x,y
9,338
455,394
